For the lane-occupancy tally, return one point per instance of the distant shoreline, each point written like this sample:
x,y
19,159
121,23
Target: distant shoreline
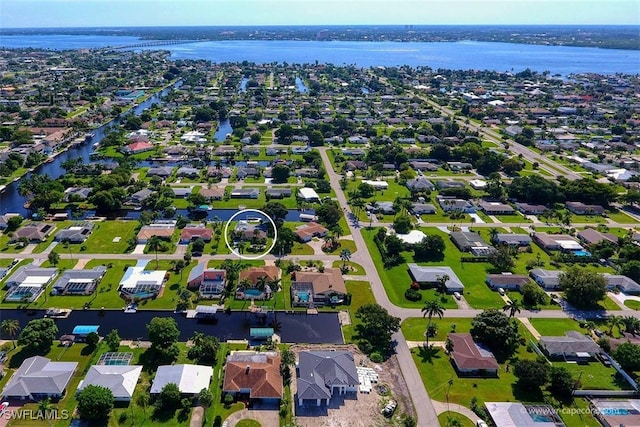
x,y
599,36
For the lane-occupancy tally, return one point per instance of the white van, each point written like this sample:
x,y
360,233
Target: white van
x,y
501,291
457,295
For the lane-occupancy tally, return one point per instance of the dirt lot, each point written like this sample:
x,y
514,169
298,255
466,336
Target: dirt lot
x,y
362,409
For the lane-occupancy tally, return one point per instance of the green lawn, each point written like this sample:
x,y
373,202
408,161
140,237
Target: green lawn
x,y
301,249
413,328
595,376
101,240
344,244
361,294
76,353
555,327
446,420
396,280
354,269
621,217
632,304
513,219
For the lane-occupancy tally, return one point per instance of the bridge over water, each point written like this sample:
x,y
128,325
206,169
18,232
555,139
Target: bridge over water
x,y
149,43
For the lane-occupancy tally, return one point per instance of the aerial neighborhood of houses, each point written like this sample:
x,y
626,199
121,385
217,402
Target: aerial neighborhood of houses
x,y
315,245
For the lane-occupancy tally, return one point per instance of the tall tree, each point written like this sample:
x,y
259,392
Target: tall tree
x,y
155,244
431,308
583,287
513,307
10,327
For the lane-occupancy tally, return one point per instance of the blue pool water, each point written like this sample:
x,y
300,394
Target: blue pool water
x,y
582,253
541,418
252,292
303,296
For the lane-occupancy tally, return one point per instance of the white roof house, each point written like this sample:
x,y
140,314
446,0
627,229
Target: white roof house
x,y
515,414
121,380
378,185
137,279
308,194
190,379
413,237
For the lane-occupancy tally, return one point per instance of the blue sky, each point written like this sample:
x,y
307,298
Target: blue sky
x,y
91,13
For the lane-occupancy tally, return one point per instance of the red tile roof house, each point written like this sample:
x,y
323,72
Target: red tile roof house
x,y
255,375
137,147
308,231
193,232
471,360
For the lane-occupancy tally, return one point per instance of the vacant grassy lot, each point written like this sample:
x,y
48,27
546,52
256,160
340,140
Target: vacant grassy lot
x,y
413,328
354,269
555,327
101,240
360,295
595,376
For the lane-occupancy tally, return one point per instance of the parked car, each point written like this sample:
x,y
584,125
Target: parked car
x,y
3,407
501,291
457,295
389,409
481,423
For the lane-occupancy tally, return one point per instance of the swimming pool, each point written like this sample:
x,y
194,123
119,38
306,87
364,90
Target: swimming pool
x,y
582,253
537,418
252,292
303,296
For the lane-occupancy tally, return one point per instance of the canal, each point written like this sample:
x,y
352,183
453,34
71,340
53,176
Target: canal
x,y
322,328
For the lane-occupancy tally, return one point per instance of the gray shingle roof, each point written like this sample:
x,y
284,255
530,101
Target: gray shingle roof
x,y
39,375
319,370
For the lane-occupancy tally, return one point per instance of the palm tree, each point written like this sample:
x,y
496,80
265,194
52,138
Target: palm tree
x,y
262,282
345,256
442,283
493,233
10,327
44,407
432,308
631,324
615,321
154,245
357,204
374,208
513,307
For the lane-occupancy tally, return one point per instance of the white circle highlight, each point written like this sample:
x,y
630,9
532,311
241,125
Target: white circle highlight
x,y
242,256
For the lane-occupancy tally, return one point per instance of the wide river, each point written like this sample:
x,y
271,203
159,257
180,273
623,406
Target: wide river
x,y
464,55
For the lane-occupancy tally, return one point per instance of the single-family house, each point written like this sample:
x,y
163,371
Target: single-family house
x,y
121,380
28,282
418,208
161,171
432,275
195,231
308,194
33,232
245,193
310,230
208,281
138,282
556,242
386,208
580,208
213,193
79,282
507,281
255,375
495,208
72,194
530,209
420,184
622,283
148,231
452,204
471,359
323,374
77,233
516,414
39,378
549,280
190,379
512,239
468,241
137,147
591,236
182,192
140,196
312,289
277,193
244,172
448,183
188,171
573,345
253,275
